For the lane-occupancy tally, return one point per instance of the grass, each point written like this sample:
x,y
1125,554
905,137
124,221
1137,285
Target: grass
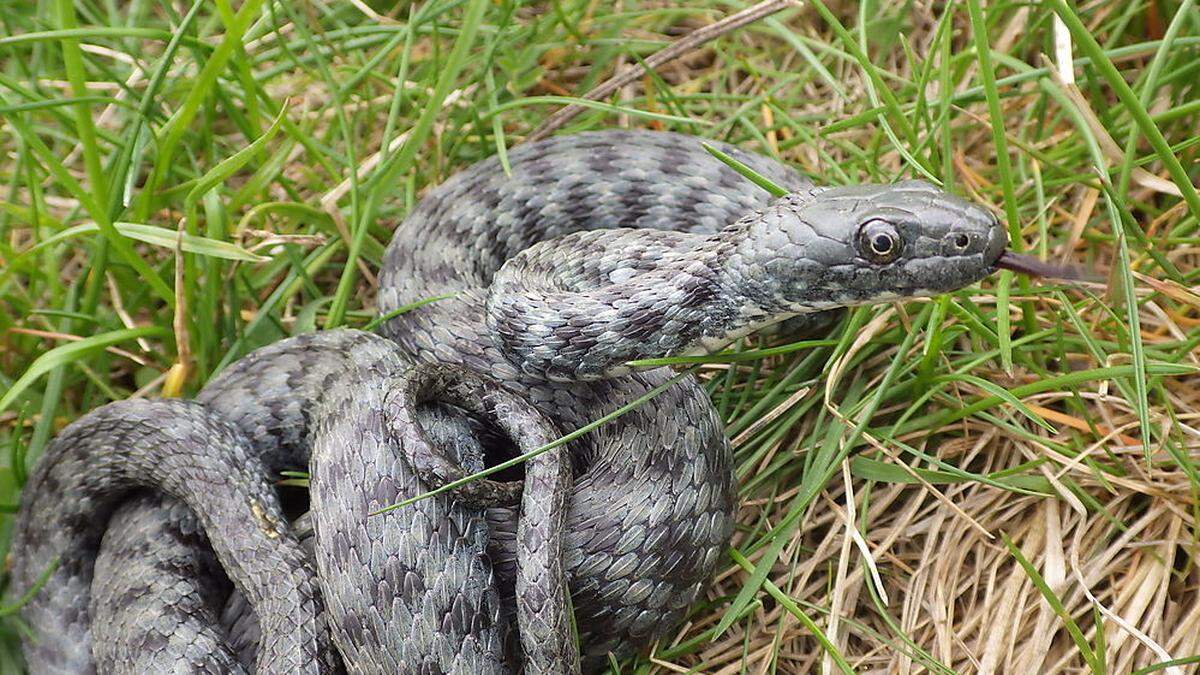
x,y
1004,480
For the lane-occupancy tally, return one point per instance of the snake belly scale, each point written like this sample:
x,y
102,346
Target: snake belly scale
x,y
171,551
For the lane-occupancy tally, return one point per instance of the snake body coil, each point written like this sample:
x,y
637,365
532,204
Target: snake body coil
x,y
596,250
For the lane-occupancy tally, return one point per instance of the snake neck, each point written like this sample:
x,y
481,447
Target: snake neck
x,y
584,306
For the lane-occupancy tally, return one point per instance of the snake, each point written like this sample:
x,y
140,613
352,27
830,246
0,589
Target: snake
x,y
152,534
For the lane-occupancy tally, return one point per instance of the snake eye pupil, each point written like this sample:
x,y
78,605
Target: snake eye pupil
x,y
962,241
882,244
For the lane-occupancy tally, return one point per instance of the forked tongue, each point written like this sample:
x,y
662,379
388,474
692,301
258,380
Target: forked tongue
x,y
1025,264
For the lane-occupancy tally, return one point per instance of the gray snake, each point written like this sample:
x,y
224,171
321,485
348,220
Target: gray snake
x,y
171,547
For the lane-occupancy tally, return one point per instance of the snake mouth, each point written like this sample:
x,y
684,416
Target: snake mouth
x,y
1031,266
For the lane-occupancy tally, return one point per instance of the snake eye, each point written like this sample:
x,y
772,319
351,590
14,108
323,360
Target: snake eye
x,y
879,242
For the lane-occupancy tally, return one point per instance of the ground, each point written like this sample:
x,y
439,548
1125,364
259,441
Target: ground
x,y
1004,480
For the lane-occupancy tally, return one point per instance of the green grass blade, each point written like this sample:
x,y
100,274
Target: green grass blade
x,y
1077,636
983,52
794,609
560,441
750,174
163,237
1088,44
70,352
68,182
232,164
472,19
200,89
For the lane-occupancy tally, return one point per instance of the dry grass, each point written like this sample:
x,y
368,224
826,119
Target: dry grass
x,y
900,502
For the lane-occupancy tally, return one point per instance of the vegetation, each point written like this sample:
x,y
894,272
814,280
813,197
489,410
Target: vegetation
x,y
1004,480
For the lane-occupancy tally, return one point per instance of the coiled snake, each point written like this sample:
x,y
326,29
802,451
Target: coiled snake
x,y
174,553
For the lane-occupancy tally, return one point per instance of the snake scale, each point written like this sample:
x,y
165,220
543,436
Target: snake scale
x,y
164,545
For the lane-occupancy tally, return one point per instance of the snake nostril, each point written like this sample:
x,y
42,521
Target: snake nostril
x,y
958,241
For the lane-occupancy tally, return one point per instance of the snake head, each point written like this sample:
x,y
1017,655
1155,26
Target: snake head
x,y
861,244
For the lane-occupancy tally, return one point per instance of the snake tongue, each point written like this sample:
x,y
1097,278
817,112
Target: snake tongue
x,y
1024,264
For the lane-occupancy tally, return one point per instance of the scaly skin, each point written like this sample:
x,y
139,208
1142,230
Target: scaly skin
x,y
649,247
